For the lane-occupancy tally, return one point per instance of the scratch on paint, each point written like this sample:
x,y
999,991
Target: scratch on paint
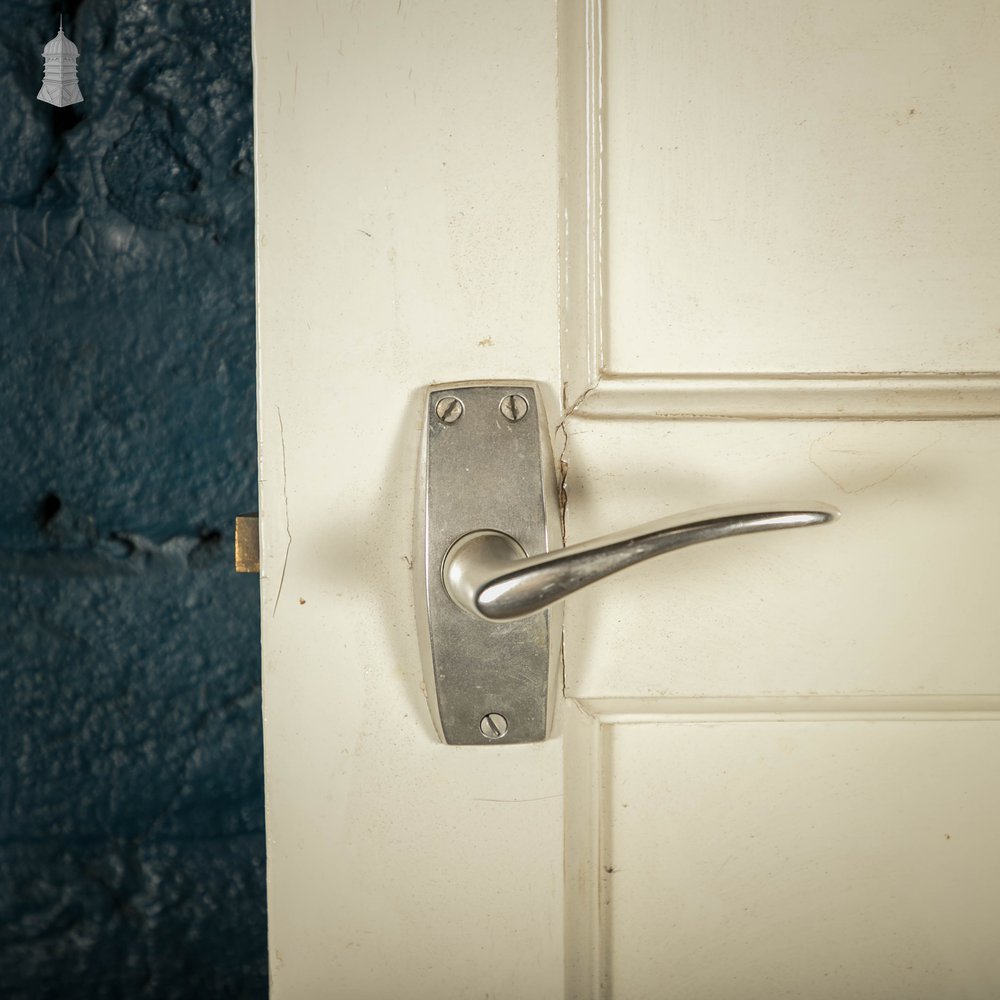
x,y
288,529
540,798
868,485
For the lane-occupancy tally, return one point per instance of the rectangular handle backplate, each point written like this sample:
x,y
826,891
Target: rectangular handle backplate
x,y
486,464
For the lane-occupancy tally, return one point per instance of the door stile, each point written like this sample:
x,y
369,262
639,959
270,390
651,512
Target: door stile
x,y
582,198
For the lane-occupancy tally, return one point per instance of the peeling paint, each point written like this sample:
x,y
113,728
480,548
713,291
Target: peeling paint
x,y
130,796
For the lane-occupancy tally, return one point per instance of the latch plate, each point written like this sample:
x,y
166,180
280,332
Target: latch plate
x,y
486,464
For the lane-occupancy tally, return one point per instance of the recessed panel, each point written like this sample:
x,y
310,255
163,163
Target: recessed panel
x,y
802,187
758,860
897,598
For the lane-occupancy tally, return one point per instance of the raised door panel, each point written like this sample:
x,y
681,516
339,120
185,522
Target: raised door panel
x,y
894,600
800,859
802,187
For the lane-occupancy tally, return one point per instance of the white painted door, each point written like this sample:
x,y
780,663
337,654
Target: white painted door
x,y
750,251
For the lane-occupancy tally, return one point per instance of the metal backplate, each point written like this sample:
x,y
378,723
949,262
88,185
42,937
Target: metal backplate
x,y
486,464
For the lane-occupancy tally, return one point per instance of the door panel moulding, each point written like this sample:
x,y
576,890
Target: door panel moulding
x,y
793,397
812,708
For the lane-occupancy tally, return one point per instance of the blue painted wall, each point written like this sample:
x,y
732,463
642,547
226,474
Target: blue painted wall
x,y
131,807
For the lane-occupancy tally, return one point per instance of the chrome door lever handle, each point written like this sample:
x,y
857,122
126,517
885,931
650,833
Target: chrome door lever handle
x,y
488,574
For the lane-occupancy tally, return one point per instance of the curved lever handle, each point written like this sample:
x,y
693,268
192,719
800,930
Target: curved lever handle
x,y
488,574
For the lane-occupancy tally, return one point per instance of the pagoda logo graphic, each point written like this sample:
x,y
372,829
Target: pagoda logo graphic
x,y
59,86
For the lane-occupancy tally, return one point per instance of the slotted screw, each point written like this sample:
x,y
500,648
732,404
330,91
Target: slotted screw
x,y
449,409
493,726
513,407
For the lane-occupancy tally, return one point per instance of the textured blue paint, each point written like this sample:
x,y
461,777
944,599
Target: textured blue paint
x,y
131,810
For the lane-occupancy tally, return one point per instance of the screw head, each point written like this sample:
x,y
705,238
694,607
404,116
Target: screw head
x,y
514,407
493,726
449,409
